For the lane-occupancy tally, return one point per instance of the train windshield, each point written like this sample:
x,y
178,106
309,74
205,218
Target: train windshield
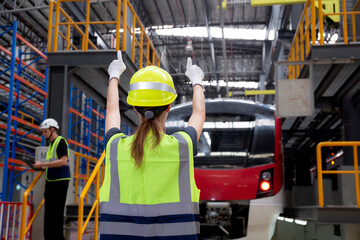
x,y
232,140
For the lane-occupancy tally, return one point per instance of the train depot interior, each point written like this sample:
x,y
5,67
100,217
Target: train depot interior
x,y
279,154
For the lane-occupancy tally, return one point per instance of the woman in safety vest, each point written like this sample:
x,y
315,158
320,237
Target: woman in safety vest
x,y
149,191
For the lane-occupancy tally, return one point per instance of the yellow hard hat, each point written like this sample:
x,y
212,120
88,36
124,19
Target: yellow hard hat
x,y
151,87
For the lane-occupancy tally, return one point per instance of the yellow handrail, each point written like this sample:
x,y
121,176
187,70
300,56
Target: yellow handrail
x,y
301,45
95,207
309,25
23,228
78,177
139,49
35,214
356,5
320,172
353,20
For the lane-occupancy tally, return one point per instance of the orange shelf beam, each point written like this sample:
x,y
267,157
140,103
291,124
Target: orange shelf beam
x,y
25,122
78,144
29,84
71,110
22,62
22,133
22,97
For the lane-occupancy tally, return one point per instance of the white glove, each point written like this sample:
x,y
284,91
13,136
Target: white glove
x,y
194,73
116,67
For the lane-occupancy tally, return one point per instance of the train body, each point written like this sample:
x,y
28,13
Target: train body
x,y
238,167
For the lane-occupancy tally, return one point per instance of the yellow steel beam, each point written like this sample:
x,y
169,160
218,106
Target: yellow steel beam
x,y
274,2
259,92
329,6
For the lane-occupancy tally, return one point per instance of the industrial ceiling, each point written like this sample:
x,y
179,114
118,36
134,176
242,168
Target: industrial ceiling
x,y
224,60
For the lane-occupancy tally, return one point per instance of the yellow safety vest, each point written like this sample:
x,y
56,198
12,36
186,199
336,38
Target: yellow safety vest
x,y
53,174
159,199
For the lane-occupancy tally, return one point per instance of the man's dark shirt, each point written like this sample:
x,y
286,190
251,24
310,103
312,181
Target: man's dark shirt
x,y
61,148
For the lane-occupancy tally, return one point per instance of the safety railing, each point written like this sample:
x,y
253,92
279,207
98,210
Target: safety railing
x,y
95,206
24,225
310,30
81,177
321,172
10,216
142,50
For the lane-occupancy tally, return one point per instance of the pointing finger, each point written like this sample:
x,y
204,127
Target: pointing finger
x,y
189,63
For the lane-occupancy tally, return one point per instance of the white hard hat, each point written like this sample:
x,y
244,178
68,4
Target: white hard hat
x,y
48,123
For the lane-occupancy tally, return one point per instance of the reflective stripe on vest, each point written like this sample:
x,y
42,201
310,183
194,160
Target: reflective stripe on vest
x,y
166,220
56,173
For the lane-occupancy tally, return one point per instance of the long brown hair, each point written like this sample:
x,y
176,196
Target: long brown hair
x,y
148,123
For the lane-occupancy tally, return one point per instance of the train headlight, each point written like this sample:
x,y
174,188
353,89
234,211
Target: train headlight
x,y
266,176
265,185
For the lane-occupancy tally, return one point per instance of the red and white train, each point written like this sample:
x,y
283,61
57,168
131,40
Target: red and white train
x,y
238,168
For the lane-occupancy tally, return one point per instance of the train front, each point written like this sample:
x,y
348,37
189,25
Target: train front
x,y
238,167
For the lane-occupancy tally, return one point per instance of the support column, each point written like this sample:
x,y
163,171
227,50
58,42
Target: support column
x,y
59,97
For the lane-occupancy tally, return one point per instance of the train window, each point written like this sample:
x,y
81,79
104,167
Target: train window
x,y
225,141
230,139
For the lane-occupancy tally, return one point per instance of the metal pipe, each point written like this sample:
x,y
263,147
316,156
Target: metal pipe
x,y
224,49
86,36
344,21
8,122
23,9
242,73
124,26
212,50
356,169
319,175
50,22
313,23
321,22
118,17
56,31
